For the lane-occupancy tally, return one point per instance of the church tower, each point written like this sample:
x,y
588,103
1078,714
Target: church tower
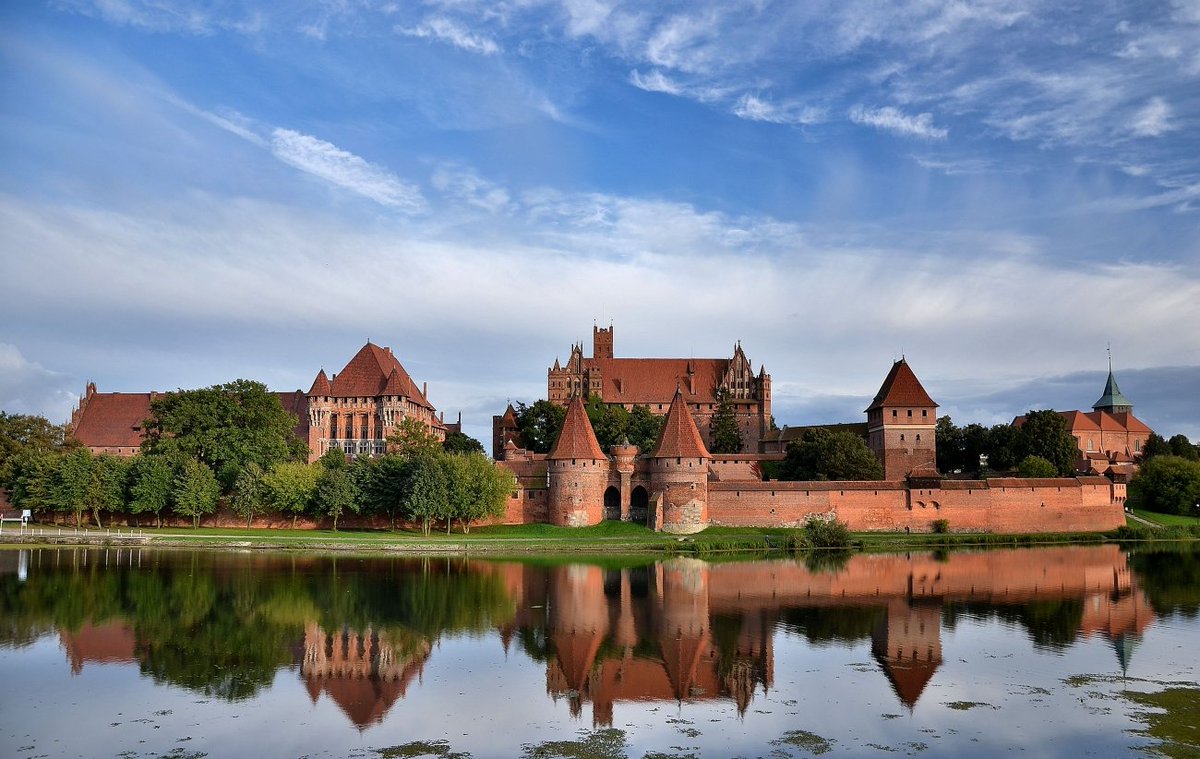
x,y
902,425
1113,400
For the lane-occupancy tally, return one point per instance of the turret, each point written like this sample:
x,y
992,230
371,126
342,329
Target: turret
x,y
902,425
578,471
679,471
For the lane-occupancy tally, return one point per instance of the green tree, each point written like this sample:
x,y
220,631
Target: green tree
x,y
23,432
609,422
476,489
1045,434
1155,445
644,428
249,495
1004,448
1036,466
821,454
726,437
383,484
951,447
151,483
225,427
196,491
106,491
1167,484
337,490
460,442
425,494
70,481
31,475
1183,448
412,437
290,487
539,424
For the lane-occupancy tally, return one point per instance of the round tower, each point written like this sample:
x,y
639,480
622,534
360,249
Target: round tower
x,y
679,472
578,472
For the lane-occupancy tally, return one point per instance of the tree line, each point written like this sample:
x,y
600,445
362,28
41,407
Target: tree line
x,y
234,444
1042,446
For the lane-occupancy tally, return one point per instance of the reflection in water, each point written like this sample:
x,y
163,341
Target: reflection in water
x,y
361,631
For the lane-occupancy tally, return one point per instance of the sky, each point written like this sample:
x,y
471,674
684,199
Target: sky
x,y
193,192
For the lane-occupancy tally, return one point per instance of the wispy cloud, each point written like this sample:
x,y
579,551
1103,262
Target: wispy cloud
x,y
655,80
1153,119
344,169
891,119
754,108
446,30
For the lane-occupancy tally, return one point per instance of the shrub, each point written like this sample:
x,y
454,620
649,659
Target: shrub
x,y
826,533
941,526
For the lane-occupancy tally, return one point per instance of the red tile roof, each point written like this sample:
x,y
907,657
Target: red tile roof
x,y
680,438
368,373
112,420
1091,421
577,439
654,380
320,386
901,388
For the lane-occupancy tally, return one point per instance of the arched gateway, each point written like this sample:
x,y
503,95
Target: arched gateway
x,y
612,504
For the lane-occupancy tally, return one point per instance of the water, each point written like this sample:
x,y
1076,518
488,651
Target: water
x,y
1038,652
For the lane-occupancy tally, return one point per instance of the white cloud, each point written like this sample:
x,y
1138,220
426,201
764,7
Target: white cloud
x,y
753,108
466,186
445,30
655,81
893,120
1153,119
27,387
344,169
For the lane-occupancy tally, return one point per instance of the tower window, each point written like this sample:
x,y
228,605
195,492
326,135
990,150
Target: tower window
x,y
910,413
894,413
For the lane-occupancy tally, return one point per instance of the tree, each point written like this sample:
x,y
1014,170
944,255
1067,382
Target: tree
x,y
460,442
477,488
726,437
425,496
1155,445
196,491
609,422
383,484
1183,448
70,481
337,491
1045,434
951,450
1003,447
23,432
106,491
644,428
412,437
290,487
31,472
151,482
249,494
539,424
821,454
1036,466
225,427
1167,484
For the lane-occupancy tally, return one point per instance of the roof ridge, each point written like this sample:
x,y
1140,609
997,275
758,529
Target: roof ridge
x,y
576,439
680,438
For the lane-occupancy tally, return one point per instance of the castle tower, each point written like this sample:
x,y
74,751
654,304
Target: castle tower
x,y
902,425
679,471
602,342
578,471
1113,400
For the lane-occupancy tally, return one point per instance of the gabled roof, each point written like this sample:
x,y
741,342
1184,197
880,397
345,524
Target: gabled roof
x,y
320,386
901,388
1112,395
112,420
509,420
577,439
654,380
680,438
368,374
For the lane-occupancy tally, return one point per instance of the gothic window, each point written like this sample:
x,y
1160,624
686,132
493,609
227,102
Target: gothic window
x,y
333,426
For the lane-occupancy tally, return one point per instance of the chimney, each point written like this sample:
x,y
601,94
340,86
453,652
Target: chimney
x,y
425,390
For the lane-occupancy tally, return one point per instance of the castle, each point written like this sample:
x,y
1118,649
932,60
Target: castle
x,y
653,382
355,411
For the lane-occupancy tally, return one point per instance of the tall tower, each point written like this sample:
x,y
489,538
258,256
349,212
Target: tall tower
x,y
902,425
602,342
679,471
578,471
1112,400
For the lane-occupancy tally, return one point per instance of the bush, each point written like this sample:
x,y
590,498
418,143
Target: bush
x,y
826,533
1036,466
941,526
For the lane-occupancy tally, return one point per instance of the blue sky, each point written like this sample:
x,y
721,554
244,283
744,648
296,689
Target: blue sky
x,y
193,192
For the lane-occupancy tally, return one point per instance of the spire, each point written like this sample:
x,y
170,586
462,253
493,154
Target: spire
x,y
1113,400
577,439
680,438
320,386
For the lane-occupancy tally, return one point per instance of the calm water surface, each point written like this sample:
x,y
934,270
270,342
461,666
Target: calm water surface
x,y
1037,652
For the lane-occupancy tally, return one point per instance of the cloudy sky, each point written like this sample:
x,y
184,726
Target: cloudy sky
x,y
192,192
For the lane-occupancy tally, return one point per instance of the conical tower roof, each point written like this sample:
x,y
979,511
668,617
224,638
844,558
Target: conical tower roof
x,y
680,438
1112,398
394,385
320,386
577,439
901,388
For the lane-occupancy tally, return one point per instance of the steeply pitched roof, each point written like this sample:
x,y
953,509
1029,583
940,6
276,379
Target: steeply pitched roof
x,y
509,420
680,438
320,386
1112,395
654,380
901,388
577,439
112,420
368,373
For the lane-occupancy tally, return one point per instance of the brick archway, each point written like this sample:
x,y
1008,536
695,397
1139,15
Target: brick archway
x,y
639,503
612,504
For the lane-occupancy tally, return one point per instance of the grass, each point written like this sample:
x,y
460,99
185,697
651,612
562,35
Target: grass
x,y
1167,520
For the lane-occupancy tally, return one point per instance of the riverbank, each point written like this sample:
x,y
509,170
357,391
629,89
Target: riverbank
x,y
604,539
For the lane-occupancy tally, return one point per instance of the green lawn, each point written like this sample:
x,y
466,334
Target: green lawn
x,y
1167,520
